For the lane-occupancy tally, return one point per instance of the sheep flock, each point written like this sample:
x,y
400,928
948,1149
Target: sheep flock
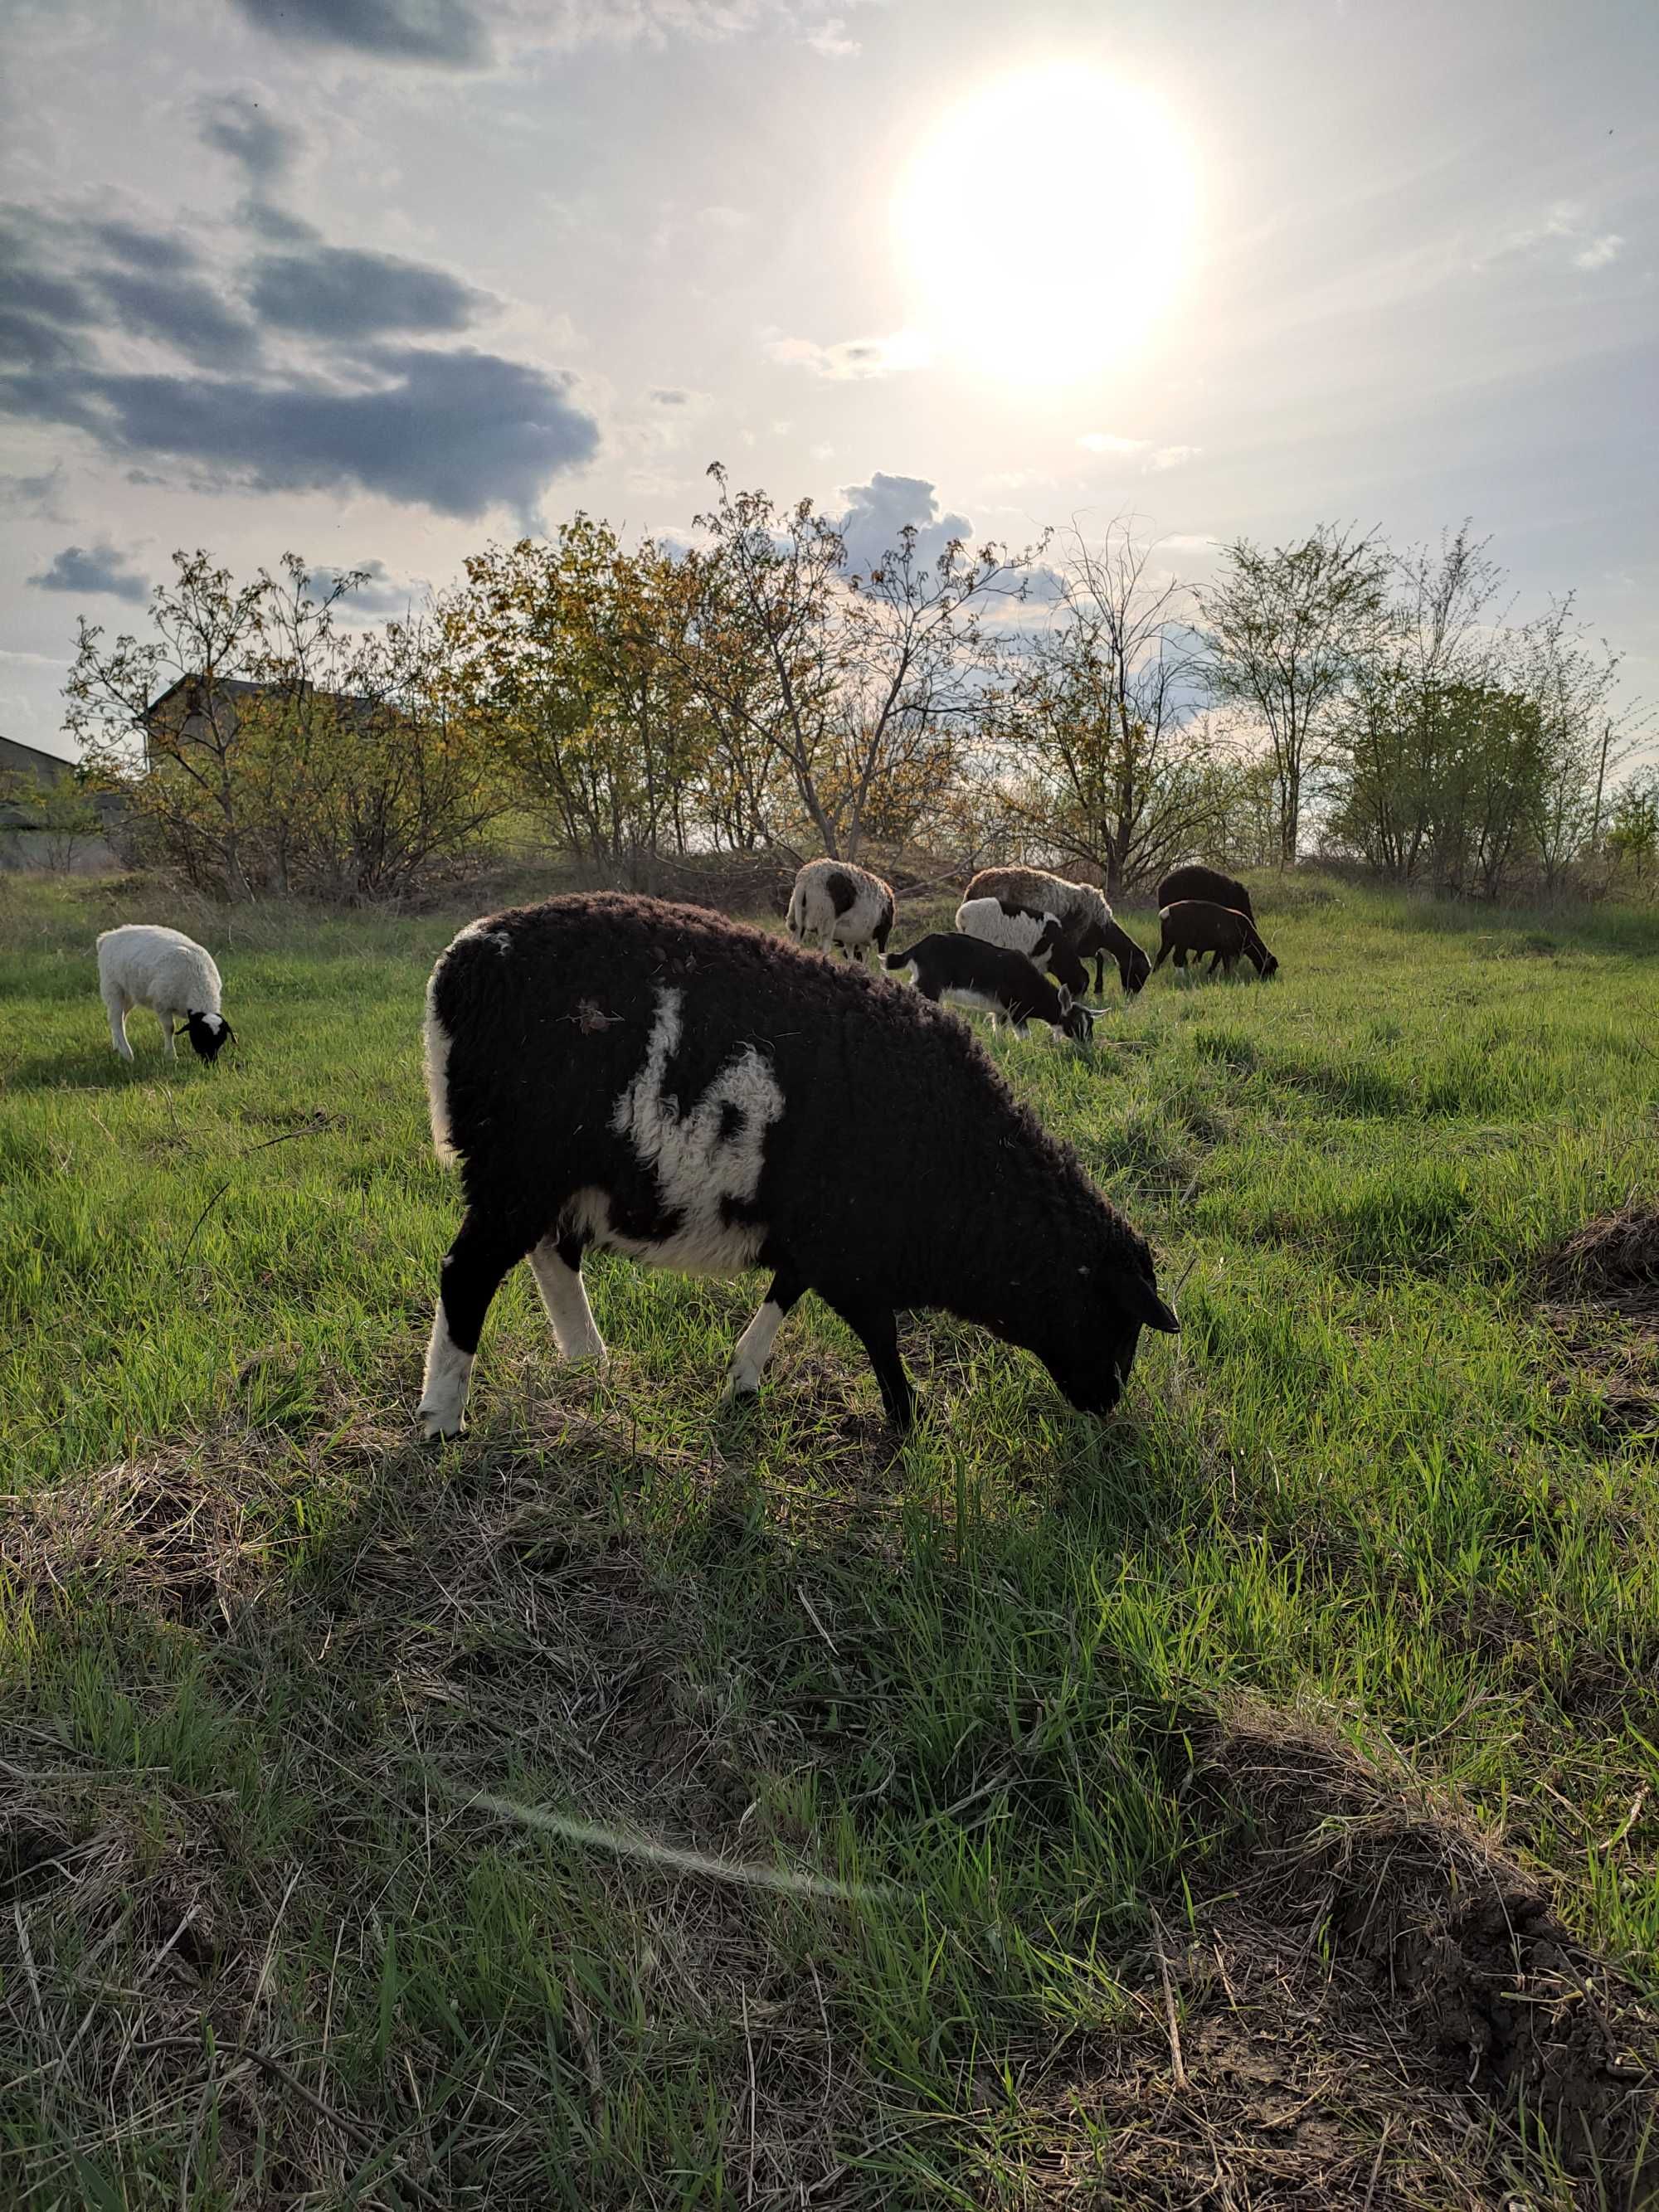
x,y
618,1073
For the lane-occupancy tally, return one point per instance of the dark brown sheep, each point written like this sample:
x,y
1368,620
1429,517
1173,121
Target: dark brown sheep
x,y
1195,881
1200,926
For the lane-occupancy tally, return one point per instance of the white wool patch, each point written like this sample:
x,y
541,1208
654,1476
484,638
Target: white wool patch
x,y
698,1170
435,1055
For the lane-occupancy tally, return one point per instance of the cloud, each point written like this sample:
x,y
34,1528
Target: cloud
x,y
89,568
148,249
38,494
380,593
1152,458
1565,224
879,512
830,41
26,291
182,312
341,292
1599,252
237,126
853,359
457,432
674,396
447,33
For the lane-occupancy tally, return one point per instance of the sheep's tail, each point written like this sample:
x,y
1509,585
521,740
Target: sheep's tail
x,y
896,960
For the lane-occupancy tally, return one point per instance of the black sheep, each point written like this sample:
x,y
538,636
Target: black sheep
x,y
1195,881
1198,926
622,1073
973,972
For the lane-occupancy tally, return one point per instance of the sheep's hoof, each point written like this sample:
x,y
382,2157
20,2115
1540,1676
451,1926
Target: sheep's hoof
x,y
438,1428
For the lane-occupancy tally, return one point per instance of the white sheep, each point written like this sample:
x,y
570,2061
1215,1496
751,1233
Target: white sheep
x,y
840,904
144,964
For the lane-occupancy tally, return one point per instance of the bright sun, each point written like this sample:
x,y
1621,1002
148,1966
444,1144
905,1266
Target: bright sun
x,y
1045,223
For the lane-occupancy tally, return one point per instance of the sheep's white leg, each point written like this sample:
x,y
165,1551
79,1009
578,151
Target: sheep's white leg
x,y
754,1347
167,1045
565,1296
118,1009
443,1392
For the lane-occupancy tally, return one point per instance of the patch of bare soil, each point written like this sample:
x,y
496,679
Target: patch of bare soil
x,y
1601,1299
1371,2006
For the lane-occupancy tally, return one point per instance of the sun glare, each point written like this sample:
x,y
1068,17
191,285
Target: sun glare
x,y
1045,223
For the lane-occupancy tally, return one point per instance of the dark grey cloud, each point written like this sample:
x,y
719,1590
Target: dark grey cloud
x,y
144,249
34,494
339,292
379,593
879,512
447,31
37,292
89,568
666,397
276,224
183,312
251,134
458,432
32,344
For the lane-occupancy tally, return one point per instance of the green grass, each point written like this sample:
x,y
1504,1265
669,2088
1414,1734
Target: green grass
x,y
261,1653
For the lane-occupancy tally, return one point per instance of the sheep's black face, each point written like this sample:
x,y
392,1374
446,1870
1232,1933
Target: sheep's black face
x,y
1136,971
1094,1383
209,1035
1271,969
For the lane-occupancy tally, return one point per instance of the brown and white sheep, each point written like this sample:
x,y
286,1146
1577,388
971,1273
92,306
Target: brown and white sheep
x,y
840,905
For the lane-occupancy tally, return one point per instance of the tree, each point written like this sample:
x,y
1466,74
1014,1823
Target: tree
x,y
265,751
862,686
574,652
1286,632
1110,762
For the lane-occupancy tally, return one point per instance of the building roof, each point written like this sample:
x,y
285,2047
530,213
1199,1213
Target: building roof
x,y
13,753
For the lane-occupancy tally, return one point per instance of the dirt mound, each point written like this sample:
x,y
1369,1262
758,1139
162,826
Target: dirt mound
x,y
1613,1263
1420,1932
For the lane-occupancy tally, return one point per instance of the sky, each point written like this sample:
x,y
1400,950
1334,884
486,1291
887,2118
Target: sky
x,y
382,280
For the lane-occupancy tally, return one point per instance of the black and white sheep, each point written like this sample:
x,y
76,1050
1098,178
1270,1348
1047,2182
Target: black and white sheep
x,y
969,972
840,904
621,1074
1083,913
1193,880
1040,937
1198,926
143,963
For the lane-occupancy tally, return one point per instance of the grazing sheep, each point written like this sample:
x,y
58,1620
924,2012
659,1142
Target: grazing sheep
x,y
1082,914
1038,936
971,973
1194,881
631,1076
840,904
143,964
1198,926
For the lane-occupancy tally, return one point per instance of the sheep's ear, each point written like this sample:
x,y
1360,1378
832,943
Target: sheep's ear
x,y
1149,1309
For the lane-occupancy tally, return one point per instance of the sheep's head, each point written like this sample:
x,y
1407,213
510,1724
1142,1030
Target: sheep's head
x,y
209,1035
1095,1334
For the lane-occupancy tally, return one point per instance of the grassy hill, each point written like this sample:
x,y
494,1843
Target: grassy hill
x,y
1253,1799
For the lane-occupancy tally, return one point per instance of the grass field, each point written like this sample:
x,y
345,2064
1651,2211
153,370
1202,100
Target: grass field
x,y
1252,1800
